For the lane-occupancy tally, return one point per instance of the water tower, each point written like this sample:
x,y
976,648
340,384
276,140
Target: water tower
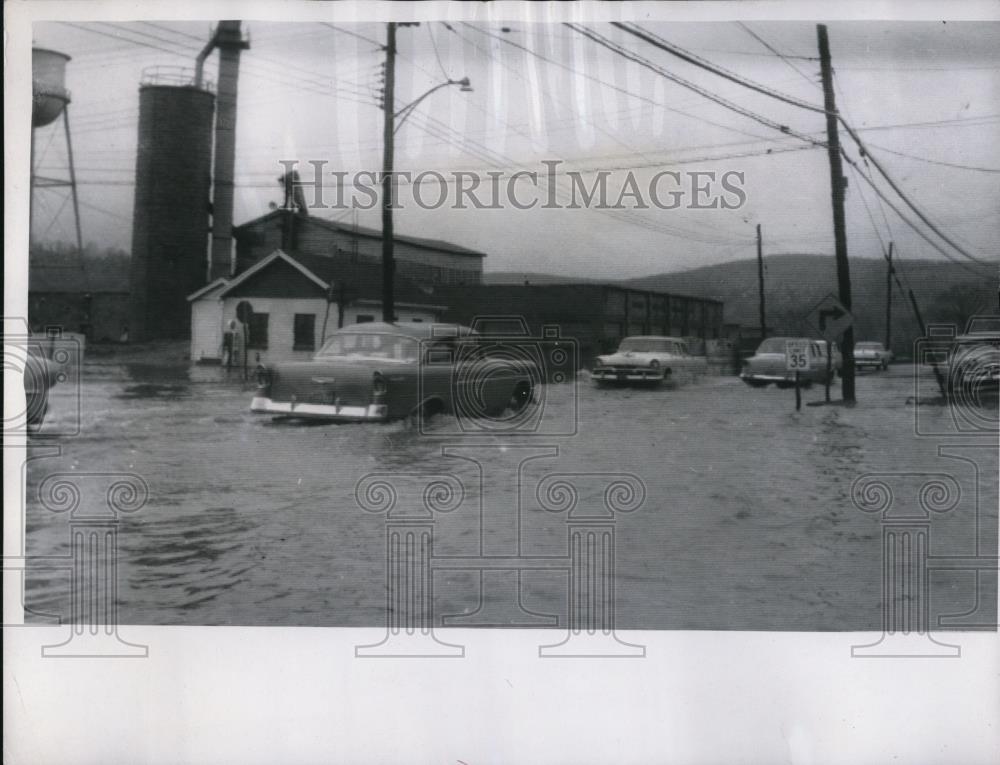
x,y
49,101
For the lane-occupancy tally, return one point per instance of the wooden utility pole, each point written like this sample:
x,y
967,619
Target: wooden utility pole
x,y
837,184
388,104
888,301
760,284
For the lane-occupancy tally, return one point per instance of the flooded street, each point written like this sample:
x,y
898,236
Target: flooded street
x,y
748,521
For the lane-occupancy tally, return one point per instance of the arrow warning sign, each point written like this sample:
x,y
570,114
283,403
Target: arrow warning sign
x,y
829,317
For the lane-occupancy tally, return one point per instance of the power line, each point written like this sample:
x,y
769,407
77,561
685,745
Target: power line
x,y
914,226
658,42
779,54
376,43
662,44
613,86
937,161
437,55
604,41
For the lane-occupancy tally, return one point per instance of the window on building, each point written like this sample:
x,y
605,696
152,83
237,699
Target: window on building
x,y
364,318
257,334
304,332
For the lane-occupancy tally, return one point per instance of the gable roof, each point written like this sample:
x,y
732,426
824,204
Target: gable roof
x,y
362,279
369,233
208,289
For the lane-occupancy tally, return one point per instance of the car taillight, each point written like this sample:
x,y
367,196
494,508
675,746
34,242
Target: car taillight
x,y
379,386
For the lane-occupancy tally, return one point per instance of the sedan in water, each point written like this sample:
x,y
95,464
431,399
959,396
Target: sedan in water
x,y
648,360
768,365
379,372
872,355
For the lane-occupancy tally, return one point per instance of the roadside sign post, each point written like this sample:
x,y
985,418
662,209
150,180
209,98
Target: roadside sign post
x,y
830,319
829,370
797,360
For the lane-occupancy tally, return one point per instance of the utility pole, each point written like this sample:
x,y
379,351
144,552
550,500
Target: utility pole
x,y
888,301
760,285
388,104
837,184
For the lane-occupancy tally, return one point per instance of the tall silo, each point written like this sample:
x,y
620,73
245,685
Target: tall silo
x,y
170,225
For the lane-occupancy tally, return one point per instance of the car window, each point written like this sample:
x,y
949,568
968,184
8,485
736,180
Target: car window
x,y
773,345
647,345
370,345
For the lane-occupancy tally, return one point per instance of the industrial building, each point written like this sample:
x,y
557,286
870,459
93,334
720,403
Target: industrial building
x,y
598,316
90,301
292,303
425,261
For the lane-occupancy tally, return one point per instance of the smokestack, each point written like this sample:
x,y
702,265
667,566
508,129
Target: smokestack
x,y
229,40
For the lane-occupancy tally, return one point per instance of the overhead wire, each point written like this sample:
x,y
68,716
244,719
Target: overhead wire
x,y
662,44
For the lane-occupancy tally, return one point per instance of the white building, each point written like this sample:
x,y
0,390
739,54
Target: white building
x,y
294,304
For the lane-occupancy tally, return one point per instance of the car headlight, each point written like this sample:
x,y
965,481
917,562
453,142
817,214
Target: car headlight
x,y
379,385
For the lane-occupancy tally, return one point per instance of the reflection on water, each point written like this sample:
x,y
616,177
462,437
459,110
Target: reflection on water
x,y
748,522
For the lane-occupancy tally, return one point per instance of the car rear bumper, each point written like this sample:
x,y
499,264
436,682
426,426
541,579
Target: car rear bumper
x,y
810,376
610,374
370,413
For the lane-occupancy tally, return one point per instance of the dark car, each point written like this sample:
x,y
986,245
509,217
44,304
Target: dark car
x,y
974,363
379,372
40,374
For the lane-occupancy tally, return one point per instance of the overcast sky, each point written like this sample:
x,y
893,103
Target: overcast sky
x,y
307,91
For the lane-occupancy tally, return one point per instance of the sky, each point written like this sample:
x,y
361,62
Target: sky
x,y
924,96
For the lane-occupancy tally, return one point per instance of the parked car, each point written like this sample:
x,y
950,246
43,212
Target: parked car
x,y
648,359
974,364
871,354
768,364
379,372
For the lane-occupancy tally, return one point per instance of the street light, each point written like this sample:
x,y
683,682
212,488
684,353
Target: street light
x,y
388,263
404,112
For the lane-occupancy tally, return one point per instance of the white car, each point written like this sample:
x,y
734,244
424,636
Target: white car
x,y
648,359
871,354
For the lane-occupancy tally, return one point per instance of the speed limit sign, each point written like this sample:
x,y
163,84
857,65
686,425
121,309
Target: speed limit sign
x,y
797,355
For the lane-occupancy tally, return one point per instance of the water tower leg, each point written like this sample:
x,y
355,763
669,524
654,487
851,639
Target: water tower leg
x,y
72,182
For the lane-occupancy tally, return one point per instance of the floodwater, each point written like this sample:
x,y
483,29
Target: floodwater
x,y
747,523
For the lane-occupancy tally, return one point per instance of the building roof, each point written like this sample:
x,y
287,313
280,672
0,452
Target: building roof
x,y
361,280
369,233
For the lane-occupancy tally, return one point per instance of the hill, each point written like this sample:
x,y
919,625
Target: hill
x,y
793,284
531,277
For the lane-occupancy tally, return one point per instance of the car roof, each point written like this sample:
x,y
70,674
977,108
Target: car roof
x,y
419,330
